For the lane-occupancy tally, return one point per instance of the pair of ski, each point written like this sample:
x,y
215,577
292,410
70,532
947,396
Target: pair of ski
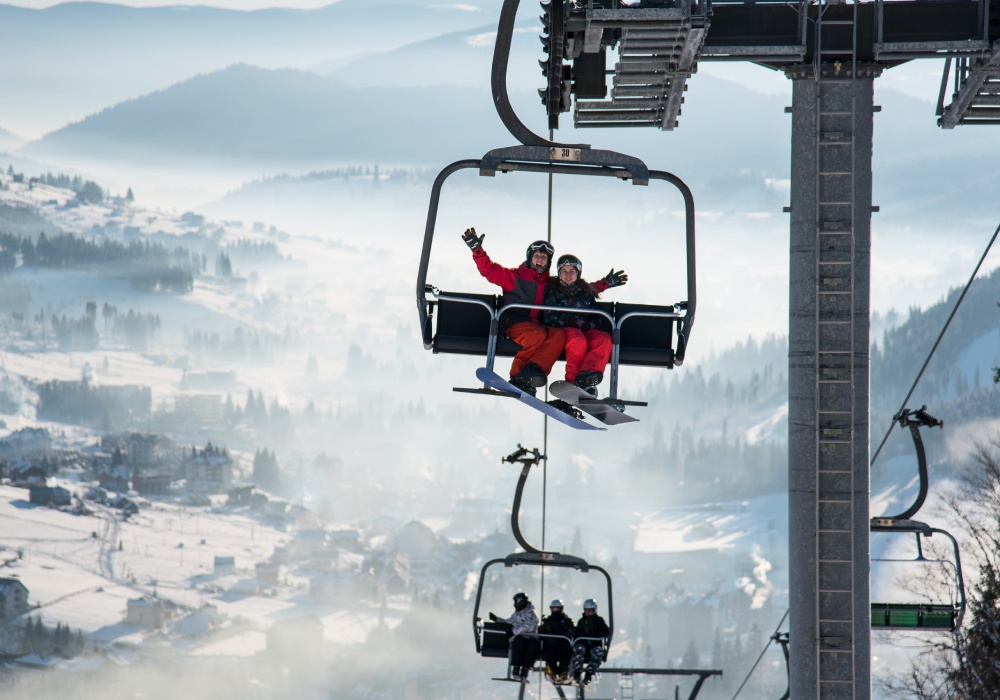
x,y
601,409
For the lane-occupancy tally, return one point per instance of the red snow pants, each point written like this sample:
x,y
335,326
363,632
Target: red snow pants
x,y
539,344
586,351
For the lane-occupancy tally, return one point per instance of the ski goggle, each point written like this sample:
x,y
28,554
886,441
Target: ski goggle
x,y
543,246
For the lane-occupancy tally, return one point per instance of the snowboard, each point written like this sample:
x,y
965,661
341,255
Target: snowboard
x,y
495,381
572,394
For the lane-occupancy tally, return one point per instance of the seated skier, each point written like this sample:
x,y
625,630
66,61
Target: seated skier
x,y
524,284
590,637
587,337
524,645
557,652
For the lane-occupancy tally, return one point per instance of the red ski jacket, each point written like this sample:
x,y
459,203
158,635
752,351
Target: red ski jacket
x,y
521,285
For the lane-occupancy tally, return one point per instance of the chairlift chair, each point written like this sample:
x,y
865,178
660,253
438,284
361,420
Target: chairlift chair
x,y
919,616
493,638
911,616
469,324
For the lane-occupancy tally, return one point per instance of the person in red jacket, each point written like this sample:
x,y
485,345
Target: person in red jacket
x,y
525,284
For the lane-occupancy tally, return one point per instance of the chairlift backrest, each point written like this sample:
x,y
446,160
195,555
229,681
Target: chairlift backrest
x,y
464,328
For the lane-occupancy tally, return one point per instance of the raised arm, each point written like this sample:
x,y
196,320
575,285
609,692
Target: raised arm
x,y
494,273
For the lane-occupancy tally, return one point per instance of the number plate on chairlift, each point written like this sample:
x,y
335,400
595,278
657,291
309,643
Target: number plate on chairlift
x,y
570,154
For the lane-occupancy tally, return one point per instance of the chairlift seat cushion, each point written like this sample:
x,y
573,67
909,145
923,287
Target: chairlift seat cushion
x,y
464,329
496,639
912,616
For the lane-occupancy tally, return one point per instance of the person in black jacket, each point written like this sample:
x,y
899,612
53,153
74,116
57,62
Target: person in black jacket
x,y
591,636
557,652
587,337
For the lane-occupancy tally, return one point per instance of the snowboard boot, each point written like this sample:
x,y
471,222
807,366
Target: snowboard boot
x,y
534,374
523,383
589,380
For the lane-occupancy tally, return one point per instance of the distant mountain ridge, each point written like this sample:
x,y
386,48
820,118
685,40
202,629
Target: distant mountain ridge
x,y
86,56
250,114
9,141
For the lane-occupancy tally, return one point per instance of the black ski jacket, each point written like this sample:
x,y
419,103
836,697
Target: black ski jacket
x,y
593,626
557,623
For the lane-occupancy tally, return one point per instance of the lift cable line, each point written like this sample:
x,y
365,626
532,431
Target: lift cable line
x,y
958,302
545,417
763,651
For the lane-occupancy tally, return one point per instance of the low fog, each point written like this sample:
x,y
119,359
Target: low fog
x,y
260,485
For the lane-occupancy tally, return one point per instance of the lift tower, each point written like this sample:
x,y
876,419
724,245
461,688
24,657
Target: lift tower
x,y
832,52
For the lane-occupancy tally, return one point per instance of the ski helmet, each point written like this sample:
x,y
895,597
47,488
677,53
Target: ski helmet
x,y
520,601
590,604
543,246
570,260
556,604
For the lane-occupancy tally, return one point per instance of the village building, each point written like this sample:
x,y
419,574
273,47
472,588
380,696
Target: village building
x,y
25,474
140,451
209,470
148,613
27,443
13,597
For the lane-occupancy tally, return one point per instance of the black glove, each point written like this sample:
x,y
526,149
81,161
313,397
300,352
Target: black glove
x,y
493,617
472,240
616,279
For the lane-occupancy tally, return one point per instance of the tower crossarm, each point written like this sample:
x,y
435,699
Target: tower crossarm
x,y
976,97
658,47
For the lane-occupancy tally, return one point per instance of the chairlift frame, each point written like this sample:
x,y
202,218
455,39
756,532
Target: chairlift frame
x,y
703,675
917,616
532,556
911,616
645,343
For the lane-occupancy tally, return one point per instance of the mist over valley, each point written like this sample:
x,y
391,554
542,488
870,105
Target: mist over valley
x,y
229,467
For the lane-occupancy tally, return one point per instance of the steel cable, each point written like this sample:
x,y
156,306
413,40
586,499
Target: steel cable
x,y
763,651
937,342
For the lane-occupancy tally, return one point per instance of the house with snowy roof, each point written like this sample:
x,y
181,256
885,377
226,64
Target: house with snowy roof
x,y
13,597
148,613
141,451
27,443
209,470
25,474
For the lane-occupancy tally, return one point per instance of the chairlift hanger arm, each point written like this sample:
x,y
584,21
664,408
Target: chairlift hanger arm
x,y
498,82
515,511
914,420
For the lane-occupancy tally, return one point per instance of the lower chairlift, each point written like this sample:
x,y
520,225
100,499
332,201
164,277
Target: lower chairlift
x,y
920,616
493,639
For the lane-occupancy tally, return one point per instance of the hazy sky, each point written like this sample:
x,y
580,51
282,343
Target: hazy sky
x,y
227,4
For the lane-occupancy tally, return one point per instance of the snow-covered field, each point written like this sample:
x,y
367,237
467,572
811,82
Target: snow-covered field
x,y
82,569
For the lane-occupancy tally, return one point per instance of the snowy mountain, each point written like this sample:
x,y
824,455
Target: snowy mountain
x,y
9,141
281,117
141,50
